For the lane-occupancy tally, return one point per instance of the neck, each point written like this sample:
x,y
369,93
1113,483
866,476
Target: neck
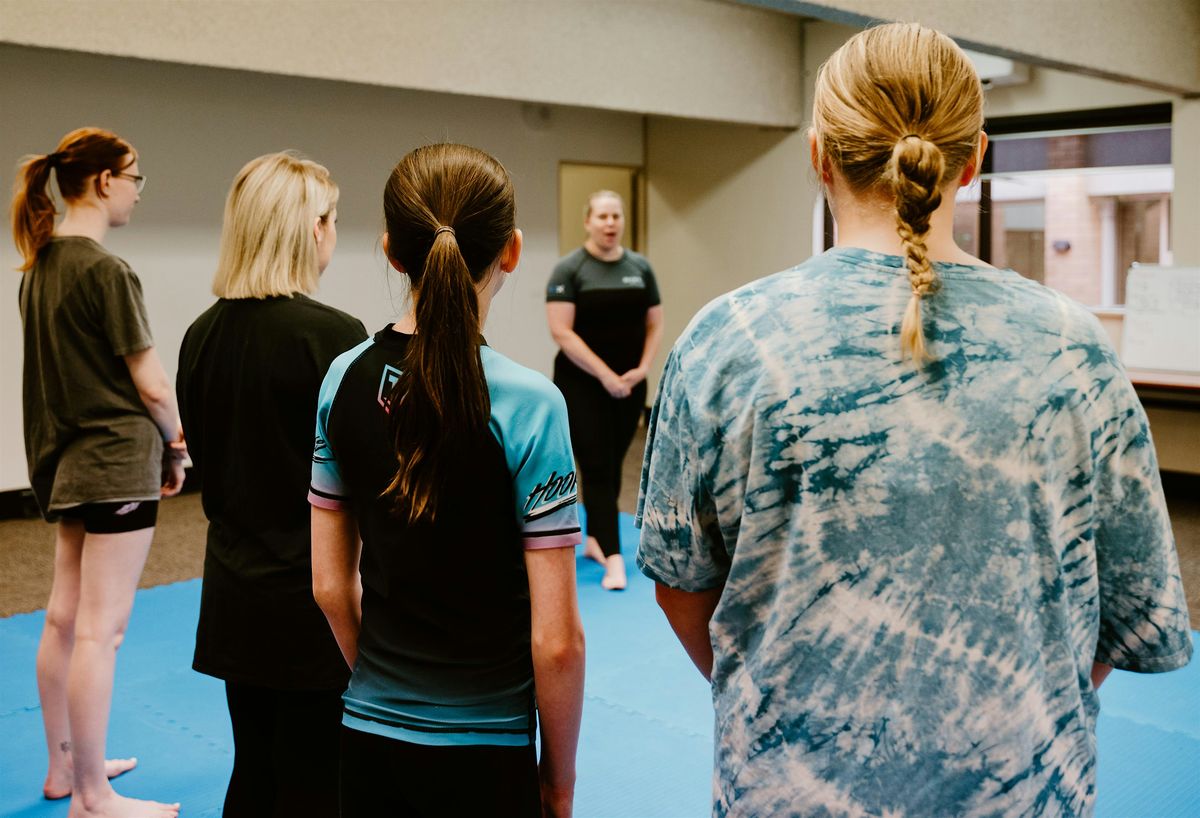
x,y
869,222
604,255
84,219
408,324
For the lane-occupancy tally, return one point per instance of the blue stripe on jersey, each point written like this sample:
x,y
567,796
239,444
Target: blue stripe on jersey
x,y
326,489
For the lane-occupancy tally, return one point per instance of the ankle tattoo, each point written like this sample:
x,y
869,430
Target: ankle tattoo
x,y
65,746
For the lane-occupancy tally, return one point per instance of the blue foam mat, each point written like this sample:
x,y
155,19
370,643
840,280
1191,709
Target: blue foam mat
x,y
646,743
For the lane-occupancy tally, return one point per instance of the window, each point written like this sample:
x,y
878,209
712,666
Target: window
x,y
1074,200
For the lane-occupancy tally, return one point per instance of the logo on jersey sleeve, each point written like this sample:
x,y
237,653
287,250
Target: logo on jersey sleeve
x,y
548,497
558,289
386,384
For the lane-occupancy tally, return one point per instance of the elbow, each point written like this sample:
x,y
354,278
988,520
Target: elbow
x,y
157,396
561,650
325,593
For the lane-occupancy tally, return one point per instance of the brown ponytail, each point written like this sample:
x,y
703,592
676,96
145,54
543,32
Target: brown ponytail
x,y
898,111
81,155
449,211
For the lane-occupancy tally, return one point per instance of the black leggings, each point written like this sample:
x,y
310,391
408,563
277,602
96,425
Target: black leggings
x,y
392,778
602,428
285,752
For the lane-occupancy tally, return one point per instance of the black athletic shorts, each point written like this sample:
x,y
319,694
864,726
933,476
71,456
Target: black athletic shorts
x,y
114,518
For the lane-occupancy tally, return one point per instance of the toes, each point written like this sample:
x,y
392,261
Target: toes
x,y
119,766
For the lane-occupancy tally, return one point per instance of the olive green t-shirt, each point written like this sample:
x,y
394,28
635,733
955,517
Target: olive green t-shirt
x,y
88,436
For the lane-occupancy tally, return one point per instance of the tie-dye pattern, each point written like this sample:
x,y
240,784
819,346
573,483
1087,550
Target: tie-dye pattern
x,y
919,567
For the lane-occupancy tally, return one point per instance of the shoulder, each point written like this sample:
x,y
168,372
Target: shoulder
x,y
97,262
328,319
639,261
512,384
570,263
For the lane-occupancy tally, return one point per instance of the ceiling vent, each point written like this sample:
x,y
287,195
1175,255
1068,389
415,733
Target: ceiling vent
x,y
996,72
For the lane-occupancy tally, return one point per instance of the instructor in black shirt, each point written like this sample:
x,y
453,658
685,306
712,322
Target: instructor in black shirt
x,y
250,368
603,308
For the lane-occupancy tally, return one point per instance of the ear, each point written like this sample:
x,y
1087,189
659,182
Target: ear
x,y
103,183
387,254
511,254
822,168
971,171
319,230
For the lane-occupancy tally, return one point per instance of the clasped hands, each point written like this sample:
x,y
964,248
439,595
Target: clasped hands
x,y
621,386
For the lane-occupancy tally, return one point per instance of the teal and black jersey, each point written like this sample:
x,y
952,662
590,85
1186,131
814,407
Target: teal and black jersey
x,y
611,299
444,650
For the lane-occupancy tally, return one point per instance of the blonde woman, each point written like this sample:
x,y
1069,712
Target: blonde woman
x,y
603,310
249,371
930,523
102,442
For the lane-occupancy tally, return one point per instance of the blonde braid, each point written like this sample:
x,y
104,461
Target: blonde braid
x,y
915,172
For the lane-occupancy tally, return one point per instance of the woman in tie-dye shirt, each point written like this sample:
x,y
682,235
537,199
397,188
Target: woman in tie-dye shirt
x,y
902,507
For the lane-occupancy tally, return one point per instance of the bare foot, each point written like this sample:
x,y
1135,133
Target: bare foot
x,y
111,805
614,574
591,550
58,782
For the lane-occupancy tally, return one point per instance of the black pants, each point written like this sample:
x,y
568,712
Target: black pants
x,y
383,777
602,428
285,760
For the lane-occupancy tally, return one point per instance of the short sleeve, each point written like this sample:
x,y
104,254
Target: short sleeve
x,y
121,309
652,297
1144,624
326,488
562,286
544,481
681,544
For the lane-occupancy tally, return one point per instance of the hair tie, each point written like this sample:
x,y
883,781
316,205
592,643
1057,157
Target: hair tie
x,y
912,136
53,158
443,229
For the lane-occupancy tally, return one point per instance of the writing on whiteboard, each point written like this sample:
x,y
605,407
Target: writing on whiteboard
x,y
1162,318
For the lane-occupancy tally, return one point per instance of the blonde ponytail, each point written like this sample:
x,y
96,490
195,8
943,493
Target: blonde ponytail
x,y
898,111
915,172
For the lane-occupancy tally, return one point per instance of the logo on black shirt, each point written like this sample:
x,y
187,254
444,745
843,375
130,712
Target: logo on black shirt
x,y
633,281
386,384
550,496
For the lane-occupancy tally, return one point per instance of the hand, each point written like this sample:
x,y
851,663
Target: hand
x,y
634,376
615,385
173,475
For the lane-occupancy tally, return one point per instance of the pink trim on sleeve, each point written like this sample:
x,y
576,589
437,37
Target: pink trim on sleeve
x,y
328,503
568,540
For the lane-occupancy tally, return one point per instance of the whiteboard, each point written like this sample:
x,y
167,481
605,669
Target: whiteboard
x,y
1162,318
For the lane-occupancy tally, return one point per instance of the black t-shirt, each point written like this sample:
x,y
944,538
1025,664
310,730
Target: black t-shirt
x,y
249,374
444,648
611,299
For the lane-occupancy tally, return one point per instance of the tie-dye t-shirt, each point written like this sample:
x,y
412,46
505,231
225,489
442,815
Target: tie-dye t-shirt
x,y
919,566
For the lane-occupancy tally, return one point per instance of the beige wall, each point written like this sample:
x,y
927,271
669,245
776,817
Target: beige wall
x,y
1185,201
697,58
726,204
1147,42
195,127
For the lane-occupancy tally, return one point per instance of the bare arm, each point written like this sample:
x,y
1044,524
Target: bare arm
x,y
158,396
654,329
558,663
155,391
689,614
560,315
337,586
1100,673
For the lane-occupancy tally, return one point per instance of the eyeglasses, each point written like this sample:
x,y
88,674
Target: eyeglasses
x,y
138,180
